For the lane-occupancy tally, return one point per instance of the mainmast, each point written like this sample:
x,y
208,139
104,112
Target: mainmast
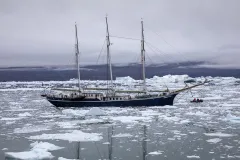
x,y
109,55
77,57
143,58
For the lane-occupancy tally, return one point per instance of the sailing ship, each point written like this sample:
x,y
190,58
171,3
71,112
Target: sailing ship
x,y
110,96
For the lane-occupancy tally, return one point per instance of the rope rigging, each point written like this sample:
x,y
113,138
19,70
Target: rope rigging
x,y
167,43
101,51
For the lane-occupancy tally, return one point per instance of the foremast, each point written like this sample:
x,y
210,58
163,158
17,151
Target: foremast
x,y
143,58
109,55
77,57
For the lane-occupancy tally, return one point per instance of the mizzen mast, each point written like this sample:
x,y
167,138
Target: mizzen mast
x,y
109,55
143,59
77,57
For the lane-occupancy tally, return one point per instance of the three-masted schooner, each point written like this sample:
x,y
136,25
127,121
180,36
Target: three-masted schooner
x,y
111,97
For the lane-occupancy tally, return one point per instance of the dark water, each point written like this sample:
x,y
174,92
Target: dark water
x,y
175,132
99,72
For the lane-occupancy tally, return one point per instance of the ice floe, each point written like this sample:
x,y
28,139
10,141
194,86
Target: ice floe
x,y
130,119
193,157
95,111
31,129
121,135
232,118
155,153
61,158
25,114
38,151
198,113
75,135
214,140
219,134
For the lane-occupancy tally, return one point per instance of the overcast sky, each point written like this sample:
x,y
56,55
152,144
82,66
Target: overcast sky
x,y
41,32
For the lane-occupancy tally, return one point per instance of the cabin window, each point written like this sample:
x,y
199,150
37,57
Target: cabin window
x,y
109,98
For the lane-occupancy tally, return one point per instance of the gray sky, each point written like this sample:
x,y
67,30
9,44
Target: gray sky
x,y
41,32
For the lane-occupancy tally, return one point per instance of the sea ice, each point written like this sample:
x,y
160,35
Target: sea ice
x,y
39,151
219,134
130,119
75,135
61,158
95,111
31,129
25,114
121,135
214,140
193,156
155,153
198,113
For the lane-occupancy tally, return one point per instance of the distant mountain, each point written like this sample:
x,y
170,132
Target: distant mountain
x,y
94,72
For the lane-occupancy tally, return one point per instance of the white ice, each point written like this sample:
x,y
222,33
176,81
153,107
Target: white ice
x,y
155,153
75,135
219,134
193,157
39,151
121,135
95,111
214,140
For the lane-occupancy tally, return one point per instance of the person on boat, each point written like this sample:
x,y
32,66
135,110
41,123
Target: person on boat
x,y
194,100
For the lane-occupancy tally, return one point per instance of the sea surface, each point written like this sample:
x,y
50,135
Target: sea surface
x,y
32,128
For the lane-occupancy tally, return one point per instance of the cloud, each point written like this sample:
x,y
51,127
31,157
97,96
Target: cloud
x,y
42,32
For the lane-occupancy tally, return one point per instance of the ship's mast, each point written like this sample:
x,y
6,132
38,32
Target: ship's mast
x,y
109,55
77,57
143,58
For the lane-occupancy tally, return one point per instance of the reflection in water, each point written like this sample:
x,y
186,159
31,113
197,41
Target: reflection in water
x,y
144,142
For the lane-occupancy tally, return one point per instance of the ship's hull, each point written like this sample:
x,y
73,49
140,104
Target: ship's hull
x,y
154,101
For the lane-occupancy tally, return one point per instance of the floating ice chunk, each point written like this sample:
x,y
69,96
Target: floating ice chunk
x,y
184,121
106,143
93,121
214,140
169,118
30,155
20,110
219,134
155,153
25,114
213,98
130,119
74,113
95,111
164,107
150,113
232,118
121,135
39,151
10,119
198,113
230,105
4,149
31,129
193,156
75,135
45,146
124,79
61,158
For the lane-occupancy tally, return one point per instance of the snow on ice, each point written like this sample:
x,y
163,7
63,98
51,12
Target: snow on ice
x,y
39,151
214,140
75,135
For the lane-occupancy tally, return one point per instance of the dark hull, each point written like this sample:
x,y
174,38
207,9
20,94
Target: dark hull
x,y
156,101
